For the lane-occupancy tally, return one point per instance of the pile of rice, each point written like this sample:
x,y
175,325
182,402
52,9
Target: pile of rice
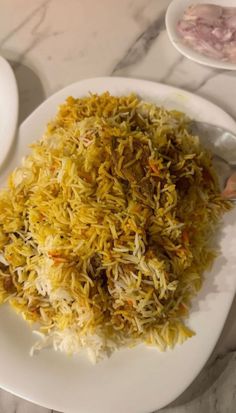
x,y
105,228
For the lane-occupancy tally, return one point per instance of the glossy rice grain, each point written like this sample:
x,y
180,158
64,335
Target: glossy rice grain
x,y
105,227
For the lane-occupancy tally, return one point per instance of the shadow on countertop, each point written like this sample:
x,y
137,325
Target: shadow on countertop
x,y
31,91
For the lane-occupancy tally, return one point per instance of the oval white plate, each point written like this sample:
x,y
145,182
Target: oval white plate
x,y
138,380
174,13
8,108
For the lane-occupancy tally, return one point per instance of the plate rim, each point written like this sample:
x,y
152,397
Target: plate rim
x,y
130,80
125,79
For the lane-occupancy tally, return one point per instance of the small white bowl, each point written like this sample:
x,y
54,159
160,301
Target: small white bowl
x,y
174,13
8,109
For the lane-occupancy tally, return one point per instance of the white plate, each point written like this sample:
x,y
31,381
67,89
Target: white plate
x,y
8,108
174,13
138,380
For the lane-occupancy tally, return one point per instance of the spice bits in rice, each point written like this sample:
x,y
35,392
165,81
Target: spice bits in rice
x,y
104,228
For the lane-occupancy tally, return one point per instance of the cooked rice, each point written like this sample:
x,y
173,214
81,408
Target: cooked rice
x,y
105,228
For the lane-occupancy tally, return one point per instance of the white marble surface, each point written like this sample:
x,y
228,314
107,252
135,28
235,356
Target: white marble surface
x,y
52,43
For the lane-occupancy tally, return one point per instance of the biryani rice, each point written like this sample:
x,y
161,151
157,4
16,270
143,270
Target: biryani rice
x,y
105,227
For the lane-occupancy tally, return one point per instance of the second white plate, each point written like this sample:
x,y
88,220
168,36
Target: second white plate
x,y
8,109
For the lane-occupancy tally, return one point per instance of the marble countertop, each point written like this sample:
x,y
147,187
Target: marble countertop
x,y
52,43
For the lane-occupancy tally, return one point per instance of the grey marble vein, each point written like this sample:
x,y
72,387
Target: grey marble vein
x,y
141,45
214,390
43,12
139,15
171,69
207,78
37,35
182,73
38,9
